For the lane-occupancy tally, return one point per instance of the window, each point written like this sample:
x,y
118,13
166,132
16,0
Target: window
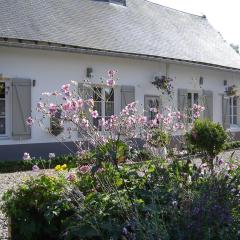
x,y
233,110
103,102
2,108
150,103
192,98
120,2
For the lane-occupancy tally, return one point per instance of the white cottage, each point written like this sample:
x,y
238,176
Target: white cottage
x,y
44,44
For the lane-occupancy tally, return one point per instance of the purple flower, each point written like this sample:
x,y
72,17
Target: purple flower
x,y
84,169
35,168
29,121
72,177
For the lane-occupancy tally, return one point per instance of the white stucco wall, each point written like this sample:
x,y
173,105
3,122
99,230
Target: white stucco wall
x,y
51,69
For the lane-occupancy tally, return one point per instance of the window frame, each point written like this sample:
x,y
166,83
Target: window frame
x,y
103,102
7,109
190,113
231,112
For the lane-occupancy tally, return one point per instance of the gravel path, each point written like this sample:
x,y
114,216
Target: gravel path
x,y
9,180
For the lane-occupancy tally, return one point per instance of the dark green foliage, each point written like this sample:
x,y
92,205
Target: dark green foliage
x,y
207,137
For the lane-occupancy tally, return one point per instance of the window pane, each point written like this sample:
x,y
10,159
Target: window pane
x,y
109,108
189,100
97,94
235,110
2,107
96,121
98,107
2,125
2,90
195,98
234,120
234,101
109,94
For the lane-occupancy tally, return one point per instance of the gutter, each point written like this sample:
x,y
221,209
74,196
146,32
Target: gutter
x,y
41,45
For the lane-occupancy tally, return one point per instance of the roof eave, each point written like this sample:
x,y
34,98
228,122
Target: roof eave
x,y
30,44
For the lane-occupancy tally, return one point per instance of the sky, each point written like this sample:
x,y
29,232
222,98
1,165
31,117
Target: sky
x,y
223,15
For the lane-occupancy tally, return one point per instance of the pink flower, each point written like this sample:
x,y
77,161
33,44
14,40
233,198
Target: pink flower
x,y
29,121
90,102
72,177
66,106
65,88
142,119
80,103
111,82
85,123
84,169
74,105
35,168
52,108
40,106
111,73
26,156
94,114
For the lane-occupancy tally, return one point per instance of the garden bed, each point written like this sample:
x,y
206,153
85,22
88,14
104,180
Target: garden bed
x,y
9,180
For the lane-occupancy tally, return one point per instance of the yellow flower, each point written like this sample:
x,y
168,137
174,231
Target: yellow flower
x,y
61,168
58,168
64,166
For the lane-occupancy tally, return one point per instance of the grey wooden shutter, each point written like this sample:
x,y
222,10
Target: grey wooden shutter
x,y
182,99
127,95
117,100
225,112
21,108
208,104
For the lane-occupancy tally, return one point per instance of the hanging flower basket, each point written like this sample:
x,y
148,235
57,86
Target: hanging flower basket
x,y
164,84
231,91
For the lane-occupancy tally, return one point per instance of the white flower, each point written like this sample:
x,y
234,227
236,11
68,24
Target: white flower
x,y
51,155
26,156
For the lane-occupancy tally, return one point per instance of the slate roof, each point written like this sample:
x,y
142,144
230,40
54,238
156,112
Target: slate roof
x,y
141,27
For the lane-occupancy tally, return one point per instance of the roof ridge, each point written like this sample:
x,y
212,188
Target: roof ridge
x,y
196,15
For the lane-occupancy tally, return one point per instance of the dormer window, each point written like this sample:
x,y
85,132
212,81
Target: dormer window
x,y
119,2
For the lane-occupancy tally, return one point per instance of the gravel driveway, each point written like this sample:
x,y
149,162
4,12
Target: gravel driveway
x,y
9,180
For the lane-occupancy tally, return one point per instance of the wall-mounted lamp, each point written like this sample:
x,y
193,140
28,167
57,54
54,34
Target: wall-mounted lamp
x,y
224,82
201,81
89,72
34,83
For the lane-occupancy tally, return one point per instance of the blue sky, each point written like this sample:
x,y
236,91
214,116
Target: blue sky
x,y
223,15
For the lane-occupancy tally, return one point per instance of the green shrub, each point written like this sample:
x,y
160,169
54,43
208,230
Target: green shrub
x,y
159,138
207,137
232,145
37,208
